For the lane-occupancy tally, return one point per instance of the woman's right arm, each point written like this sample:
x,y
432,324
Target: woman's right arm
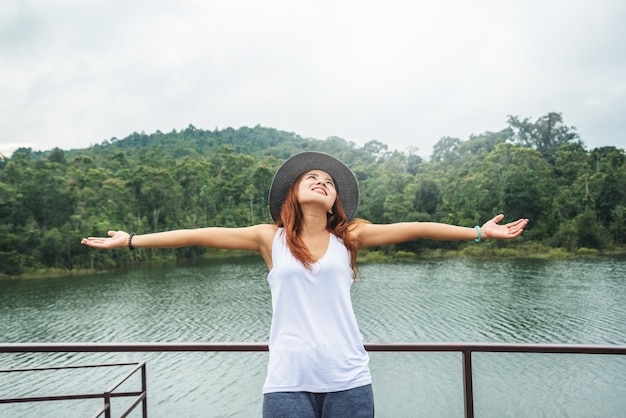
x,y
253,238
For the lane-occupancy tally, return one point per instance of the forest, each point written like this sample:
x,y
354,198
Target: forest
x,y
574,197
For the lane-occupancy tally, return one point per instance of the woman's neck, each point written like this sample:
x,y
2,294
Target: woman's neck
x,y
314,225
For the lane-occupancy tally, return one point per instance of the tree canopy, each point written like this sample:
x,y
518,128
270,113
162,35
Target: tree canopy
x,y
193,178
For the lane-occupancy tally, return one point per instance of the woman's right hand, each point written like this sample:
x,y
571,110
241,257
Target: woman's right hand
x,y
116,239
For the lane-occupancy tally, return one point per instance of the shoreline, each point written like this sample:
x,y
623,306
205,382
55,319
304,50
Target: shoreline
x,y
366,257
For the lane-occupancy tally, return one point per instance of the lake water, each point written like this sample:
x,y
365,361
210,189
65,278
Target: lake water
x,y
525,301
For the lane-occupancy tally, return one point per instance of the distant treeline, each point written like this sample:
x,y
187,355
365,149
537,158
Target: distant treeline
x,y
574,197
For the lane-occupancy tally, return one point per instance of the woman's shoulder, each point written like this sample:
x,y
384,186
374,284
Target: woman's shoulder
x,y
358,229
266,231
357,225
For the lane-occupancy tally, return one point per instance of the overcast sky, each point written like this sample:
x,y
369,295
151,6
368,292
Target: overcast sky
x,y
76,72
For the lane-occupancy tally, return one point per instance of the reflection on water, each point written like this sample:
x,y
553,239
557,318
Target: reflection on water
x,y
526,301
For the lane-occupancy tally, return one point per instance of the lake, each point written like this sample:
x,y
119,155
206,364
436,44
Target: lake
x,y
434,300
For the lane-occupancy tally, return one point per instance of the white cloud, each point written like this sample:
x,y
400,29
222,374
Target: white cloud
x,y
403,72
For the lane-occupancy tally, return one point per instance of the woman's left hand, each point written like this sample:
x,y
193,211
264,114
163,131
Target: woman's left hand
x,y
491,229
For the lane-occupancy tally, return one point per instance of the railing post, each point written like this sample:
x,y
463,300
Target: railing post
x,y
468,388
107,404
144,389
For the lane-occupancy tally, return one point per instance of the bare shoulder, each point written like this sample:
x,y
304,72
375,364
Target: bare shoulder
x,y
266,232
359,230
263,234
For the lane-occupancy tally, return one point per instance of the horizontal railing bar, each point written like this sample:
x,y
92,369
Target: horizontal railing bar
x,y
261,347
500,348
81,366
53,398
68,397
128,347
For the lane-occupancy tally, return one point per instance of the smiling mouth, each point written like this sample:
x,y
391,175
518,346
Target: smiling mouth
x,y
319,189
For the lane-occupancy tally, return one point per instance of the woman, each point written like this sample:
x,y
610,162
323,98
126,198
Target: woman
x,y
317,364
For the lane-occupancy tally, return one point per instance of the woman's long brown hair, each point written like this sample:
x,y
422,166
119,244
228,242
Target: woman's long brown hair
x,y
291,218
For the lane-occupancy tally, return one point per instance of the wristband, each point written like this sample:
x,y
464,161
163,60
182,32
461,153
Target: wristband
x,y
477,228
130,241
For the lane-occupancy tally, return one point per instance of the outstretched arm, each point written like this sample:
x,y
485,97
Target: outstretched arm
x,y
253,238
370,235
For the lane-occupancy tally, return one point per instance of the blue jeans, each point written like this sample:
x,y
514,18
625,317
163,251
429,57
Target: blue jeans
x,y
357,403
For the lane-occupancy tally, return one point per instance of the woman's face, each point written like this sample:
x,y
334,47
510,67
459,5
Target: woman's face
x,y
317,187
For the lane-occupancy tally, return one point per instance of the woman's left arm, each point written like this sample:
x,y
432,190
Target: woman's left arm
x,y
373,235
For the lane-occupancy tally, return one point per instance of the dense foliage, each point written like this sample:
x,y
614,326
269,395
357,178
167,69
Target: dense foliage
x,y
539,169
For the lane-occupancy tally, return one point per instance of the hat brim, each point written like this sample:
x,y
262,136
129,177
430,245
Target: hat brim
x,y
292,168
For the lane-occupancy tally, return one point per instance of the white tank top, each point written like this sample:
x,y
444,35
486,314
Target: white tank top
x,y
315,343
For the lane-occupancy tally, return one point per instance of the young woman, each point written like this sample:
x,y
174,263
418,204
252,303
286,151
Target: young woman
x,y
317,364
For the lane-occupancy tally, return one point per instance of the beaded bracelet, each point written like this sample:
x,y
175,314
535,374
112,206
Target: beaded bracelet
x,y
130,241
480,233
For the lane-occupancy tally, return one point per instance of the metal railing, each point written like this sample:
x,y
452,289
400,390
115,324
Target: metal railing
x,y
466,349
106,396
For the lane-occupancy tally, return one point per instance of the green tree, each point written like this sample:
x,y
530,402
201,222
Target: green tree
x,y
610,196
157,196
483,144
590,233
523,184
446,149
426,195
193,175
618,224
546,134
376,148
53,247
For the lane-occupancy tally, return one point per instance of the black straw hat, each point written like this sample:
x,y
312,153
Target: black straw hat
x,y
345,181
